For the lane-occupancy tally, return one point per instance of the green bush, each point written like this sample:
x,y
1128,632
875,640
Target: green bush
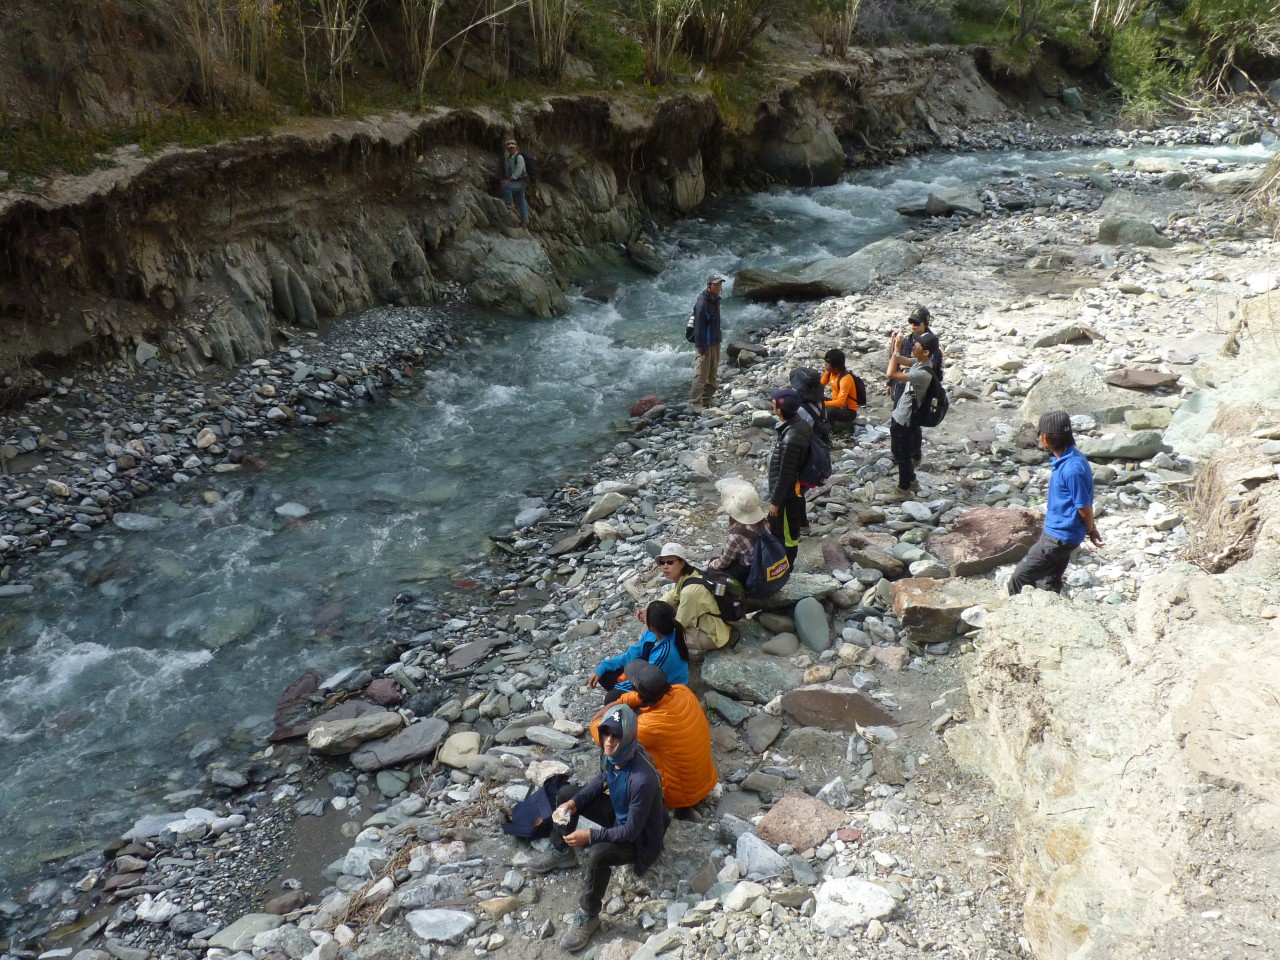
x,y
1230,37
1144,65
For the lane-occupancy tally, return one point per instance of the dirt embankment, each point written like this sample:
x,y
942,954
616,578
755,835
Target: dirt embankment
x,y
207,253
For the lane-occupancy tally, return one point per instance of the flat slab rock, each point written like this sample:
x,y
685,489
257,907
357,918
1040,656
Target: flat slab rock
x,y
984,539
834,707
440,926
800,820
840,905
1133,379
416,741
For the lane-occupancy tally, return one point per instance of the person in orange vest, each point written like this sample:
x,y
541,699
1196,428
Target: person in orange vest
x,y
673,728
843,405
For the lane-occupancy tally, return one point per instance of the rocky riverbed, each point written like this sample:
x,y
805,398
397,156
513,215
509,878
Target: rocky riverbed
x,y
369,826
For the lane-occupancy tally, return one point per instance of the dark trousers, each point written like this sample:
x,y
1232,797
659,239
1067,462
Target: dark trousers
x,y
1043,566
786,526
601,857
841,415
905,445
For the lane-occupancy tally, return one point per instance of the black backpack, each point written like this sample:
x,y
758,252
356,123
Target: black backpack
x,y
934,409
817,466
530,167
770,568
859,389
729,602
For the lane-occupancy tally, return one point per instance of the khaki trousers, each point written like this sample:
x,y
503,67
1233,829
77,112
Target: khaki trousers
x,y
705,367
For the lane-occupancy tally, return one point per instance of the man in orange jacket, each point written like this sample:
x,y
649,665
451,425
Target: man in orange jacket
x,y
673,728
843,405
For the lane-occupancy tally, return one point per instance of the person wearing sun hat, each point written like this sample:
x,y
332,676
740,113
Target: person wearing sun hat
x,y
748,520
695,605
625,798
1068,516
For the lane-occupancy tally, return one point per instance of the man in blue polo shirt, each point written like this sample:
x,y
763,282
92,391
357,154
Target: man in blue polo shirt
x,y
1068,519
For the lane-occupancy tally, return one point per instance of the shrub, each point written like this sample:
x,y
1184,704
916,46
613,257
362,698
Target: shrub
x,y
721,30
1230,36
1146,68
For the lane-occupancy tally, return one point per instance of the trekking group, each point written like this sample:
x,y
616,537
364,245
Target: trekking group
x,y
655,759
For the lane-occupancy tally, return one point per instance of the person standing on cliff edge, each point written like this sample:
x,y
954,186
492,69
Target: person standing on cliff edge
x,y
514,182
1068,518
706,341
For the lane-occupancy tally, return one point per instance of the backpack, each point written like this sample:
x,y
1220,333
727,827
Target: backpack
x,y
531,817
530,167
817,466
770,568
935,406
730,604
859,389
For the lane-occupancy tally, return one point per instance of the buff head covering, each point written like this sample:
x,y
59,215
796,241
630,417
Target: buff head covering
x,y
621,720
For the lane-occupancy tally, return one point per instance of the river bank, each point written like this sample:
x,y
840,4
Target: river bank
x,y
925,831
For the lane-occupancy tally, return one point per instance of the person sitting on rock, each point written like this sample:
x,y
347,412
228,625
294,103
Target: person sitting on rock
x,y
626,800
673,728
843,406
741,502
695,605
662,644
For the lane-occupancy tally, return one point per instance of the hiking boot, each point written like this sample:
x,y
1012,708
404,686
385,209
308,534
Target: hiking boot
x,y
580,933
898,493
555,860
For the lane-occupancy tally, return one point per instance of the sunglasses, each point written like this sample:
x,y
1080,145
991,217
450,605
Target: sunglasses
x,y
667,563
916,323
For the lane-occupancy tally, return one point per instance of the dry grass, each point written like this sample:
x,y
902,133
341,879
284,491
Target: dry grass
x,y
1223,525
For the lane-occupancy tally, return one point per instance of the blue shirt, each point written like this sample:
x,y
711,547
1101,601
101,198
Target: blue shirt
x,y
662,653
1070,490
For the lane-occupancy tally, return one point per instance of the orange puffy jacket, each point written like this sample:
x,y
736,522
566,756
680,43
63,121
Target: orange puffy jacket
x,y
676,734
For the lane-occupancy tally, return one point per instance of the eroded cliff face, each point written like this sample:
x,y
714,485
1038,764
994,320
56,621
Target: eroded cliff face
x,y
209,253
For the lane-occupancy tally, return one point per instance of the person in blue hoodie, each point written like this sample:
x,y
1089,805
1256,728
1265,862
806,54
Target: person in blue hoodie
x,y
626,800
662,644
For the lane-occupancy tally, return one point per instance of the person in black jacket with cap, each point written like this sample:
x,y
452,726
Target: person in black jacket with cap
x,y
790,450
706,341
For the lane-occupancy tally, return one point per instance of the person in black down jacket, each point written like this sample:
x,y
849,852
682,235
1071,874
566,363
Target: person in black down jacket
x,y
790,451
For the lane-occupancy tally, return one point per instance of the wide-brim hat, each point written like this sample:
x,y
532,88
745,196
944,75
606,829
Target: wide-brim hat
x,y
674,550
741,502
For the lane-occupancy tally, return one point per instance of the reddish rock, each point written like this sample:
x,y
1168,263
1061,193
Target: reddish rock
x,y
296,695
930,609
895,658
800,820
384,691
644,405
1142,379
833,707
986,538
849,834
250,462
834,556
121,881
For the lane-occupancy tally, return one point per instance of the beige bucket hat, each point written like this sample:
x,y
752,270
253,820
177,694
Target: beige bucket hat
x,y
741,502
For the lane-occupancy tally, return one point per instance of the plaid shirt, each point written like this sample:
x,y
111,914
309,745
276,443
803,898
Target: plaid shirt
x,y
738,547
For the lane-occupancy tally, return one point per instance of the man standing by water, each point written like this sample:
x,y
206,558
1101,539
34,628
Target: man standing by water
x,y
515,181
915,373
1068,519
706,341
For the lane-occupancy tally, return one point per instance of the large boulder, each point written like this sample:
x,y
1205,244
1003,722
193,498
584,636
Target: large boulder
x,y
1119,230
801,585
515,276
1138,445
1147,206
754,680
1076,387
334,737
837,277
803,151
1136,379
930,609
945,201
845,903
1233,181
415,742
984,539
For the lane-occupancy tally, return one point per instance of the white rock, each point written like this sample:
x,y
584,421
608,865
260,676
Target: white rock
x,y
849,902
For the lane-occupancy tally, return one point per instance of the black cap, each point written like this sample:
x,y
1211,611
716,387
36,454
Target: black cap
x,y
928,340
919,315
650,682
1054,423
